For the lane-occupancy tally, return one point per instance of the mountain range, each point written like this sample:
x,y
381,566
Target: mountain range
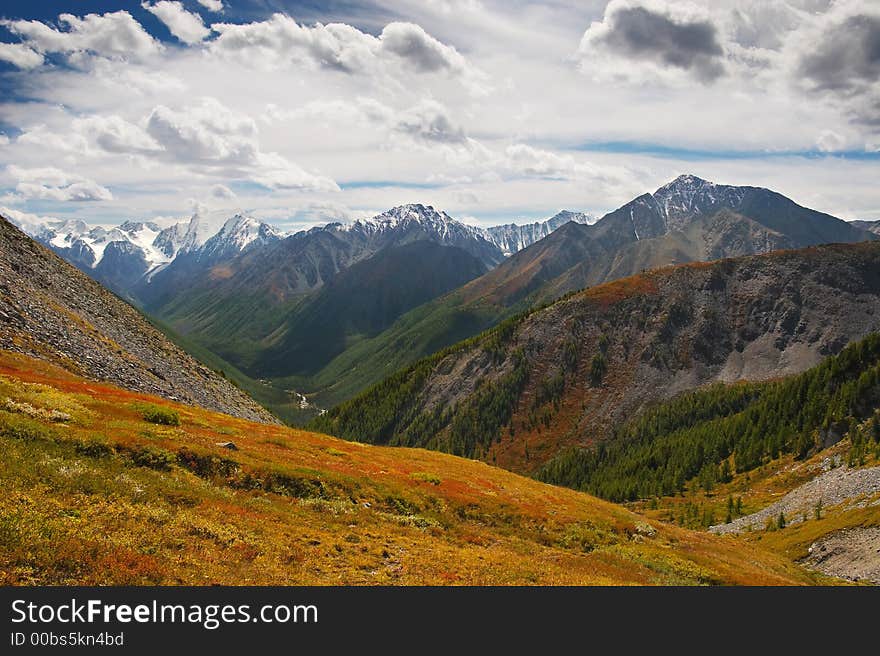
x,y
673,389
684,221
331,310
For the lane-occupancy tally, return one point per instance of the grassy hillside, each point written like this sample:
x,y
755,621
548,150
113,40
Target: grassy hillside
x,y
104,486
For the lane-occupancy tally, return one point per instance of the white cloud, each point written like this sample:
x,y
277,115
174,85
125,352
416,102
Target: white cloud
x,y
114,134
20,55
78,191
46,139
222,192
115,35
212,5
395,104
829,141
430,121
420,50
207,132
276,172
50,183
48,175
281,41
185,25
30,223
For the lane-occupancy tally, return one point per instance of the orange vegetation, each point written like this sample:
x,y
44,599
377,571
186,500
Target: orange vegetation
x,y
106,497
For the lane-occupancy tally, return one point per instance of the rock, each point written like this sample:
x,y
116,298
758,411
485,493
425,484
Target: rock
x,y
227,445
830,488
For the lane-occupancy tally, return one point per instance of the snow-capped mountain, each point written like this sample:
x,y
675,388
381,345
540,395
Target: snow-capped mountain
x,y
414,222
870,226
121,256
86,245
688,196
144,262
512,237
238,233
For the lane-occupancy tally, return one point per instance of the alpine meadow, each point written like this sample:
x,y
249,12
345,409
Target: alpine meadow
x,y
454,293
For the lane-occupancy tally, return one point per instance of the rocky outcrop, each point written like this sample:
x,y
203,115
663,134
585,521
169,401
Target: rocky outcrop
x,y
852,554
51,310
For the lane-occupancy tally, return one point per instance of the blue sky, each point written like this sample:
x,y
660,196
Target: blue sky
x,y
308,112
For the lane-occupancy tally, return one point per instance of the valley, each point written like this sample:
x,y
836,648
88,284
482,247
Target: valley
x,y
335,309
711,396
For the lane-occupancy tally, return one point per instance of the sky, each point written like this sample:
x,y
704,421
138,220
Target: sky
x,y
301,113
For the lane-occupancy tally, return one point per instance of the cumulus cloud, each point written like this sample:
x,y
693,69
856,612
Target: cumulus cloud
x,y
281,41
209,134
185,25
113,35
658,35
212,5
47,139
837,56
276,172
30,223
206,132
114,134
526,160
50,183
430,121
420,50
20,56
830,141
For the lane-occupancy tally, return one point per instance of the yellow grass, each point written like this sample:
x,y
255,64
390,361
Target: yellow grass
x,y
109,498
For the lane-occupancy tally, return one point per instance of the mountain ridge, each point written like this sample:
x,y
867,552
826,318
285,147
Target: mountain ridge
x,y
565,374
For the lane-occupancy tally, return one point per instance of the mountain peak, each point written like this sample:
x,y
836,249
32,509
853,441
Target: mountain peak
x,y
413,212
238,232
684,183
688,196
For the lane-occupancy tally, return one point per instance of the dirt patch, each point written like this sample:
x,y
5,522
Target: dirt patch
x,y
852,554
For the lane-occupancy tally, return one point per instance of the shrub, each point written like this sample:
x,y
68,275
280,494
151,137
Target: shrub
x,y
426,477
206,465
94,449
144,456
598,367
158,415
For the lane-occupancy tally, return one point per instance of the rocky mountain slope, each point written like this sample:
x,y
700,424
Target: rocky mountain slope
x,y
568,374
53,311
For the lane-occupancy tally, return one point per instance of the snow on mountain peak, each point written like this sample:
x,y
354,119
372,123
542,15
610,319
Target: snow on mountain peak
x,y
688,196
237,233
